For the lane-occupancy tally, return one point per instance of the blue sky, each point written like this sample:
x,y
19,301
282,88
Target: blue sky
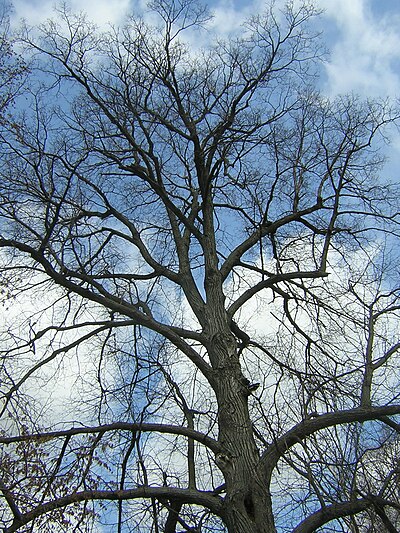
x,y
362,35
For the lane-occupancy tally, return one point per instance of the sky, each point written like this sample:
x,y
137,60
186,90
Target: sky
x,y
363,35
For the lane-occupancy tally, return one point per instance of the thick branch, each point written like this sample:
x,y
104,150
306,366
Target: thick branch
x,y
339,510
112,302
331,512
205,499
308,427
9,497
118,426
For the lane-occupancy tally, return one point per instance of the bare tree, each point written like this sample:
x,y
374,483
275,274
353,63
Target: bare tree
x,y
205,255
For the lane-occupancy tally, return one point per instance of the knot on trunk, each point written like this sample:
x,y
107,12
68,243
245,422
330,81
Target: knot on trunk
x,y
224,343
249,505
224,461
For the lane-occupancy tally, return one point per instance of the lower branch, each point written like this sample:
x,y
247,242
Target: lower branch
x,y
340,510
204,499
117,426
310,426
172,520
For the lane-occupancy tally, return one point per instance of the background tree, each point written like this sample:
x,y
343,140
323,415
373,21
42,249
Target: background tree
x,y
205,253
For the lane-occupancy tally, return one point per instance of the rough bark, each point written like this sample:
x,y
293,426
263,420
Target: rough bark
x,y
247,507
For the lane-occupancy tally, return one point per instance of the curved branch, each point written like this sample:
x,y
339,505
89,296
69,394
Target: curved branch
x,y
263,230
41,363
331,512
310,426
264,284
205,499
340,510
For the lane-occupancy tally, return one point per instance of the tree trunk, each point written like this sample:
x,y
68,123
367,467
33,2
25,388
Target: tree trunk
x,y
248,503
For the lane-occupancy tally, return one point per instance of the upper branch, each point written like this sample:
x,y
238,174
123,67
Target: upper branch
x,y
277,278
265,229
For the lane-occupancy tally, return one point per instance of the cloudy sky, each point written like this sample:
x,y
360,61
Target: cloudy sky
x,y
362,35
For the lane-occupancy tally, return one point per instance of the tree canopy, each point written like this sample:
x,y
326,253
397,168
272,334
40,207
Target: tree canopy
x,y
200,283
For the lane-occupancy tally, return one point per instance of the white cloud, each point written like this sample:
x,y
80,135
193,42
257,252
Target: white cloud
x,y
227,18
365,49
101,12
229,15
364,44
55,386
